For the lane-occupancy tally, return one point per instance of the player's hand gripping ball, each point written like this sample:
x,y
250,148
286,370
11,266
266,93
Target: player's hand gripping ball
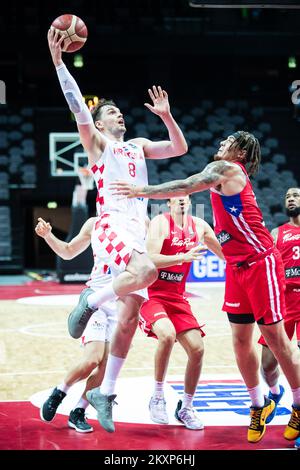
x,y
74,30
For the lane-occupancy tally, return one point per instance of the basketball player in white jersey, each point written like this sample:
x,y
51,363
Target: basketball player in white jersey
x,y
121,224
96,335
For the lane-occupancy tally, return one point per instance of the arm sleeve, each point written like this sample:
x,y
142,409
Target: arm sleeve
x,y
73,96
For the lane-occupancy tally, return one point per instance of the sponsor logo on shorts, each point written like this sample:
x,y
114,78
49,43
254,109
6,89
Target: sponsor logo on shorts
x,y
292,272
170,277
232,304
96,325
223,237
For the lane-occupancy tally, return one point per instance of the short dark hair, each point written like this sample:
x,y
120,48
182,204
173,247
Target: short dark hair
x,y
96,111
249,143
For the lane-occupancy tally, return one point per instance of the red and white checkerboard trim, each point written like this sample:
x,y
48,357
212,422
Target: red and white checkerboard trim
x,y
112,243
97,172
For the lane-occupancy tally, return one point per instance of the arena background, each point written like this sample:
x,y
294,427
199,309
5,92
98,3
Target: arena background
x,y
224,69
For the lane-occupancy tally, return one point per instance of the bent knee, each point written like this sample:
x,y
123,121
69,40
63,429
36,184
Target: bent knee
x,y
197,352
167,339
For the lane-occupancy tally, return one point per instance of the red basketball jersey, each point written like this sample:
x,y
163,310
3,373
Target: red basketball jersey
x,y
288,243
171,281
239,225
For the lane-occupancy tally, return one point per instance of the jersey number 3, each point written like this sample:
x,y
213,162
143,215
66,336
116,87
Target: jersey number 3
x,y
131,169
296,251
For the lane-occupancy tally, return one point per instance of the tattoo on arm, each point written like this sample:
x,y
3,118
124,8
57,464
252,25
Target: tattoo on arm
x,y
209,177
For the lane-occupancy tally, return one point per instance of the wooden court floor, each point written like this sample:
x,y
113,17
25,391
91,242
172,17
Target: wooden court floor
x,y
36,351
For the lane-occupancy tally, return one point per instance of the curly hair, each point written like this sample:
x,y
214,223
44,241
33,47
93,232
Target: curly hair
x,y
246,141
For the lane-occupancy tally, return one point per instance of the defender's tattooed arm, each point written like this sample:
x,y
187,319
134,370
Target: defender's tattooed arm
x,y
213,175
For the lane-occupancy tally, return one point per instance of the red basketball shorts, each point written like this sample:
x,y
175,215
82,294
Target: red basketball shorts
x,y
178,311
257,289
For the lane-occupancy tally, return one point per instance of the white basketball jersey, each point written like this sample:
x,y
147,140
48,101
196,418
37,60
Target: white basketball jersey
x,y
121,161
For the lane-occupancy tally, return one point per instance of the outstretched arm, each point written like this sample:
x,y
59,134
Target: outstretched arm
x,y
210,177
89,136
165,148
66,250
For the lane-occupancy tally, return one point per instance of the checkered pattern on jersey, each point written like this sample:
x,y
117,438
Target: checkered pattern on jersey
x,y
98,172
118,252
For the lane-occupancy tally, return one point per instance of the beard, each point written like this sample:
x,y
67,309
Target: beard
x,y
293,212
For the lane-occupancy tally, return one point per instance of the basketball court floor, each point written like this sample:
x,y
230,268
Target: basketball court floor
x,y
36,352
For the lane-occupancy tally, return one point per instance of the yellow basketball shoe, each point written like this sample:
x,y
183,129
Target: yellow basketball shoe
x,y
258,415
292,431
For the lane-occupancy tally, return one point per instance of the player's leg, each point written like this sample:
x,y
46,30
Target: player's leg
x,y
94,347
165,332
270,372
93,364
269,309
103,399
240,294
96,376
248,364
138,273
288,357
192,342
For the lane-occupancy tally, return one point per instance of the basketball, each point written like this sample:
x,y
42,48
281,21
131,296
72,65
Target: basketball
x,y
74,29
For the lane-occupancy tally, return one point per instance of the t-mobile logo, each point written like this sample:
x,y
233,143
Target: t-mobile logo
x,y
2,92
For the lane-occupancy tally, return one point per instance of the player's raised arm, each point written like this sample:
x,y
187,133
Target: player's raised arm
x,y
89,136
63,249
176,145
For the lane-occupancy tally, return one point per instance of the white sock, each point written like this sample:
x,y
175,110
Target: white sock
x,y
296,396
63,387
187,400
158,389
275,389
82,404
257,396
102,295
112,370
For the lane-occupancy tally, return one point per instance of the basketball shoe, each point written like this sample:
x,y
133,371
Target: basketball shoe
x,y
103,404
188,417
292,430
81,314
258,415
48,410
78,421
276,399
158,412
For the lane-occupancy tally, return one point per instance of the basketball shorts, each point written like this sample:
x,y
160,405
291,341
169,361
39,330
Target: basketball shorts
x,y
102,324
292,317
114,240
178,311
257,289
